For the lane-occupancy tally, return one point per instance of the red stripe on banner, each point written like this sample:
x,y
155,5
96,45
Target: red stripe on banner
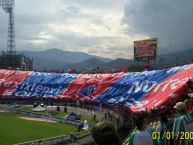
x,y
174,86
9,79
100,81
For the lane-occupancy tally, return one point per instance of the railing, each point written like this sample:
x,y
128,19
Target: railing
x,y
49,141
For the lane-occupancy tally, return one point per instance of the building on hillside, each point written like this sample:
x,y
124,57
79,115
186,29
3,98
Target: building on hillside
x,y
17,61
90,70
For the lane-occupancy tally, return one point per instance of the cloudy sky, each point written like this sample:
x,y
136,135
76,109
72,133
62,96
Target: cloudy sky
x,y
100,27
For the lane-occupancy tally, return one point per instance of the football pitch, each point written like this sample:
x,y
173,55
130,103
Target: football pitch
x,y
14,129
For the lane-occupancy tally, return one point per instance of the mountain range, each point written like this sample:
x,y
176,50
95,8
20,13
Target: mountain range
x,y
57,59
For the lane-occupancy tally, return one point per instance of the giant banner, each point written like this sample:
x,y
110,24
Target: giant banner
x,y
10,80
44,84
136,90
90,86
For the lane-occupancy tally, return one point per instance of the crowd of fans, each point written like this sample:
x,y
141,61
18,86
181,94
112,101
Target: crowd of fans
x,y
167,129
168,125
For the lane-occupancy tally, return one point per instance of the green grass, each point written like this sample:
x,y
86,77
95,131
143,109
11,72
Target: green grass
x,y
16,130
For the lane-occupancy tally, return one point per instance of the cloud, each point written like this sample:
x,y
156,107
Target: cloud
x,y
170,21
92,26
102,4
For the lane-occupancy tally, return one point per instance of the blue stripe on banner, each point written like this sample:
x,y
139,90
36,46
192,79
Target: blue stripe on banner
x,y
44,84
132,87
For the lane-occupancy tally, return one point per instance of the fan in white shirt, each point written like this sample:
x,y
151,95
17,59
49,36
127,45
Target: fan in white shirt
x,y
141,137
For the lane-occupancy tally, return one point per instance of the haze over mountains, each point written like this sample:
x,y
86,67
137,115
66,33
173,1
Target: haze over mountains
x,y
59,59
63,60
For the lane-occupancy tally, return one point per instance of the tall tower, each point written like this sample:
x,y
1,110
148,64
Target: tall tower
x,y
7,6
11,60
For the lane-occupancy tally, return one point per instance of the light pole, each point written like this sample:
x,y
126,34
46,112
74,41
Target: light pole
x,y
7,6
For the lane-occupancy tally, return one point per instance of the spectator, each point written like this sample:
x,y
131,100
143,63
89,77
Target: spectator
x,y
154,112
180,109
80,126
94,116
105,134
187,104
141,137
65,109
150,128
73,137
182,124
164,126
191,104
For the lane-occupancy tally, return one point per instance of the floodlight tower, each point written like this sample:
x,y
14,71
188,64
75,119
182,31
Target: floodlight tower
x,y
7,6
